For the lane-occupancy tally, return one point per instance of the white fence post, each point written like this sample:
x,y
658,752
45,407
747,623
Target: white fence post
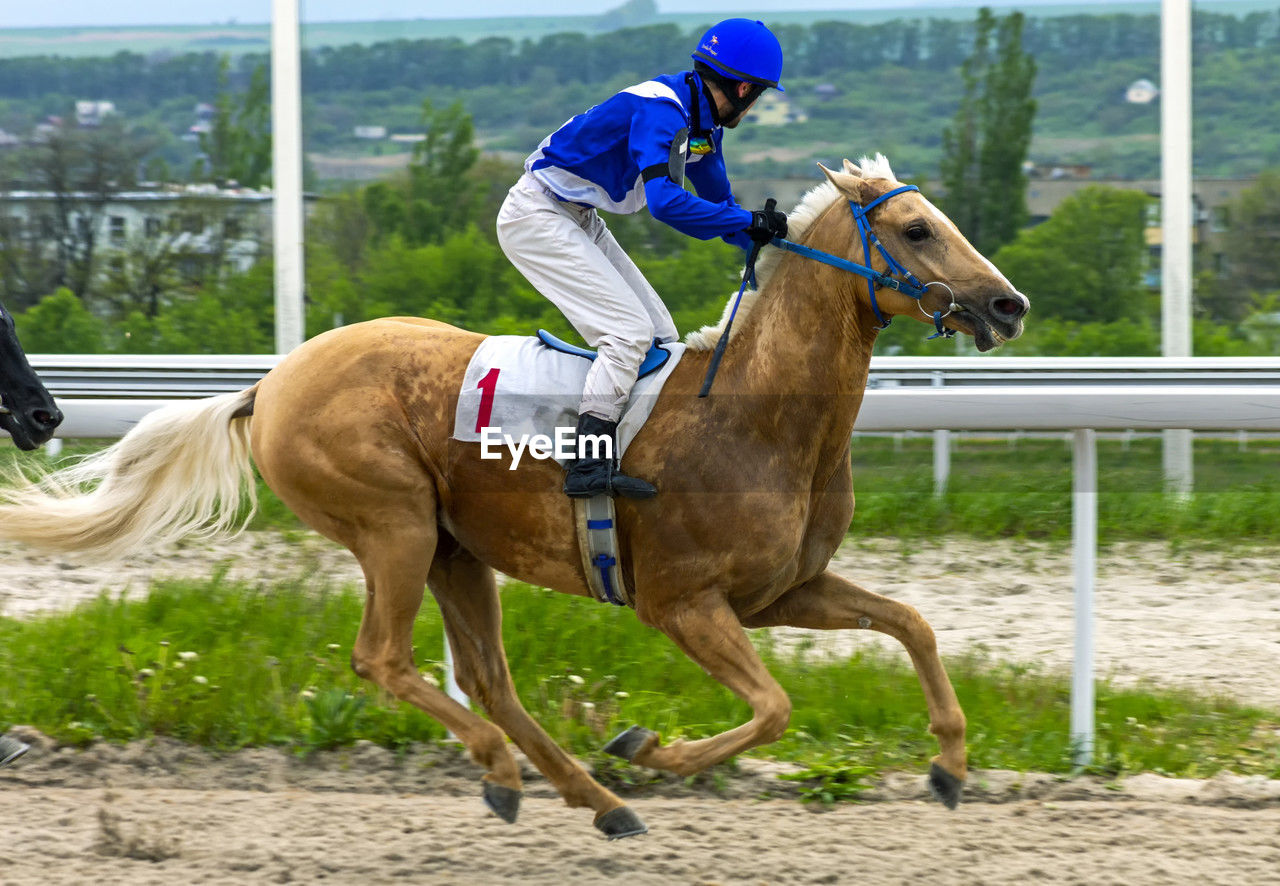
x,y
451,687
1084,541
286,174
941,450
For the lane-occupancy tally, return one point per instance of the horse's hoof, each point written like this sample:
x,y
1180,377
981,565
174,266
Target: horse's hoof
x,y
627,744
11,749
621,822
944,786
502,801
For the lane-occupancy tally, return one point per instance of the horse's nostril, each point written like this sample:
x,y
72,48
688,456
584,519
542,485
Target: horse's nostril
x,y
1007,307
47,419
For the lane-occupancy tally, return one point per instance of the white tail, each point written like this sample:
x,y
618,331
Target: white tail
x,y
183,471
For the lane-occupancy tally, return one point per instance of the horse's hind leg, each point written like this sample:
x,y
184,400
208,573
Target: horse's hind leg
x,y
396,562
468,597
828,601
708,631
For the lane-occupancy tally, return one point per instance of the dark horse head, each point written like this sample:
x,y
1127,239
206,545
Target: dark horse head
x,y
27,410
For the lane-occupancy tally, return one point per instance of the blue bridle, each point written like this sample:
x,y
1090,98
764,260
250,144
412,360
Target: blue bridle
x,y
905,281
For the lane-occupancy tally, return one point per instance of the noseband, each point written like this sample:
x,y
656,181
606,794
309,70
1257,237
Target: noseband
x,y
897,278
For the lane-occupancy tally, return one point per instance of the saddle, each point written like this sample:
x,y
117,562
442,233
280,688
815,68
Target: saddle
x,y
656,357
520,388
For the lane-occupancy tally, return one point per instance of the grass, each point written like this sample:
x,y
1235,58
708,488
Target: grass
x,y
1019,490
999,489
228,664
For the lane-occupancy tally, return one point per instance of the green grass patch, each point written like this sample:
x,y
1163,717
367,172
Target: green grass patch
x,y
1023,489
1000,489
228,664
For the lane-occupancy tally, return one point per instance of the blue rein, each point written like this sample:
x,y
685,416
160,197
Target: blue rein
x,y
909,285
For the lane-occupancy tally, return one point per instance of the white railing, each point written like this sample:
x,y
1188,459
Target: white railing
x,y
104,396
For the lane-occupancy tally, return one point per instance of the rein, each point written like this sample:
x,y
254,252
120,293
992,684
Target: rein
x,y
909,285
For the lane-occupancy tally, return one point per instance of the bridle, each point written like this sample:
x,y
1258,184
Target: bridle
x,y
905,281
898,278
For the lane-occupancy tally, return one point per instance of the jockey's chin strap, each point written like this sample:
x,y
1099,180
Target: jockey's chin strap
x,y
905,282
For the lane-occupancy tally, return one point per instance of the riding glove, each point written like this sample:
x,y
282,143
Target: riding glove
x,y
766,224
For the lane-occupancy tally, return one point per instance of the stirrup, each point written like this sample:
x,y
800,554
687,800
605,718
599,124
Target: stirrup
x,y
589,477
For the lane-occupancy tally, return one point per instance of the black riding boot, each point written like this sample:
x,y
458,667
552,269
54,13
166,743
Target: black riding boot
x,y
599,476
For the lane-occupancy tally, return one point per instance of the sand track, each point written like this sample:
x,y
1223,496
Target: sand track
x,y
159,812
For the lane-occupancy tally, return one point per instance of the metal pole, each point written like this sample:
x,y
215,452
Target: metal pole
x,y
286,147
451,687
1176,217
941,450
1084,541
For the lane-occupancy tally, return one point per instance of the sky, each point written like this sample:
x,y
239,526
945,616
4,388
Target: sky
x,y
64,13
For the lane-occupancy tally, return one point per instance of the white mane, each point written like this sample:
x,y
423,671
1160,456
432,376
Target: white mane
x,y
815,202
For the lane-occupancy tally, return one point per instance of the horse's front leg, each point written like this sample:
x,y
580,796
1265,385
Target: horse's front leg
x,y
708,631
829,601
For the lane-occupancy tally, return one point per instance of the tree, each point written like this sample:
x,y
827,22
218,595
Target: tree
x,y
440,195
1253,249
1085,264
436,196
59,324
76,172
237,146
986,144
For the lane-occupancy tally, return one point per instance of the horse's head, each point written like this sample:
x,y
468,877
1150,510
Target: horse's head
x,y
981,301
27,410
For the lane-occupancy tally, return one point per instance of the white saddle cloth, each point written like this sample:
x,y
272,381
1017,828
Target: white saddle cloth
x,y
518,387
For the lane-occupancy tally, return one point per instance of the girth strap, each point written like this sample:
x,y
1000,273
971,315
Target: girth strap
x,y
597,528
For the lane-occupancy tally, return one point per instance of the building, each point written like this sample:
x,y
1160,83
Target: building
x,y
776,109
200,225
1141,92
1213,199
92,113
1211,214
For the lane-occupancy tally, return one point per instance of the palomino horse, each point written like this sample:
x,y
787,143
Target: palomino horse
x,y
352,430
27,410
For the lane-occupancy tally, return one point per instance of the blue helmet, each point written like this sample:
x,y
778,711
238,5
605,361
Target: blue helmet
x,y
744,50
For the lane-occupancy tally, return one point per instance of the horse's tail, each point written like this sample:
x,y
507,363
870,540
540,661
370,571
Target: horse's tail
x,y
184,470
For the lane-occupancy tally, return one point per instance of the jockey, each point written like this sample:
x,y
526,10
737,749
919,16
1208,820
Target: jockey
x,y
630,151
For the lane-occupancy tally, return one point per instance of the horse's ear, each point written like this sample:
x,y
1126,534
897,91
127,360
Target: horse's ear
x,y
848,183
852,168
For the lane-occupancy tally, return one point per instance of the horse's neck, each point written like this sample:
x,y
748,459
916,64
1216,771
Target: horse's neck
x,y
808,346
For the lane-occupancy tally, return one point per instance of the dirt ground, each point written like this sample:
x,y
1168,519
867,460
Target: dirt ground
x,y
160,812
1205,619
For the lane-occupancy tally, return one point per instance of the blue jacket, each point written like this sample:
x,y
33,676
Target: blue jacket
x,y
632,150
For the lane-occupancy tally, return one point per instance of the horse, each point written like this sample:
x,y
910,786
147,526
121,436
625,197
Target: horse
x,y
27,410
29,414
352,431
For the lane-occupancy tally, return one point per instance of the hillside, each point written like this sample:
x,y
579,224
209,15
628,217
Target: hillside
x,y
896,98
237,38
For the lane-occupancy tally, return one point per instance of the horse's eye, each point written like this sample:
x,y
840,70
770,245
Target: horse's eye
x,y
917,232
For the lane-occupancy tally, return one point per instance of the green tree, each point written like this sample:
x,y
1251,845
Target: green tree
x,y
237,146
986,144
436,196
1086,262
59,324
235,316
441,197
1253,261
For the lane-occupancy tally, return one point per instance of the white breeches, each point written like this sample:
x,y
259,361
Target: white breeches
x,y
569,256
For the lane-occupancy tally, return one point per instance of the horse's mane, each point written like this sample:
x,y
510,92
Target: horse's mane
x,y
815,202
